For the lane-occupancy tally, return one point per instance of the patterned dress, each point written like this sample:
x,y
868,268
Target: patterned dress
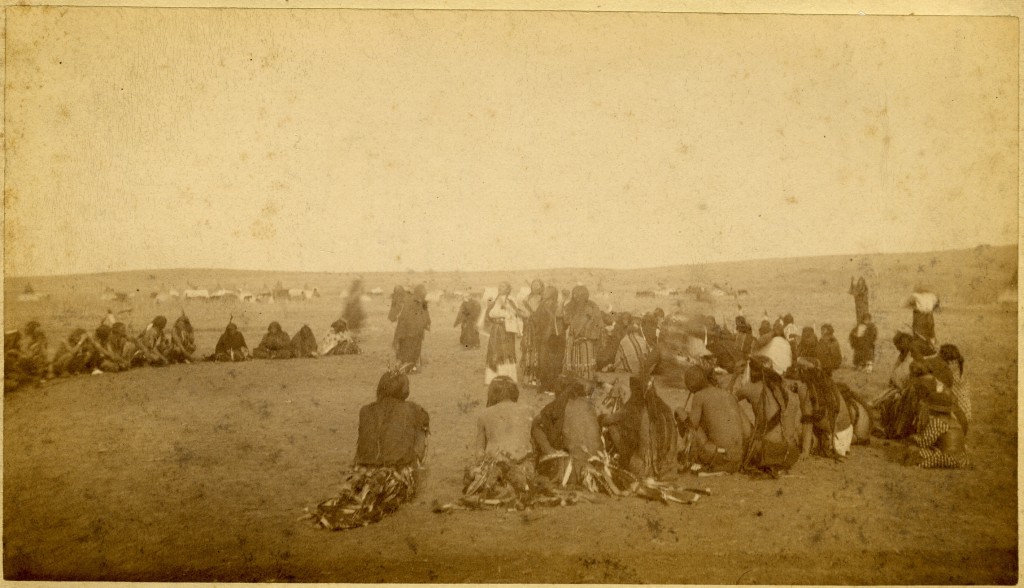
x,y
930,453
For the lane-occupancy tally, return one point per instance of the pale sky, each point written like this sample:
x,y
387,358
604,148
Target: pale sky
x,y
360,140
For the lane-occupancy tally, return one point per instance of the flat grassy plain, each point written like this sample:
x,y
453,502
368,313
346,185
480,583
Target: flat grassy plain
x,y
200,472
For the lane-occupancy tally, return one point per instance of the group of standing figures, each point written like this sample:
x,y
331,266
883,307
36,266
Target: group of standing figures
x,y
537,337
554,338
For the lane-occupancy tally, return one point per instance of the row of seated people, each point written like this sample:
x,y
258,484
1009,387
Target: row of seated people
x,y
690,336
110,348
276,344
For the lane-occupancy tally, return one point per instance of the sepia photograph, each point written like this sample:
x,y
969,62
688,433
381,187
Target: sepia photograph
x,y
668,293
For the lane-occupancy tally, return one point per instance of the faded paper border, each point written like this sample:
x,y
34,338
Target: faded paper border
x,y
805,7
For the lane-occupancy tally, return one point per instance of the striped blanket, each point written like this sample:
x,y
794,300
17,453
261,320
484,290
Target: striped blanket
x,y
368,495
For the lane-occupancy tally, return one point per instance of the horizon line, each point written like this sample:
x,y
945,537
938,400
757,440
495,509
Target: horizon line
x,y
552,269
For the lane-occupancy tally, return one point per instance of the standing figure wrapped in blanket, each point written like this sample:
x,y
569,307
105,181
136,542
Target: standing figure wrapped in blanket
x,y
583,331
829,355
389,454
530,344
924,304
413,322
862,340
354,315
551,340
468,315
398,298
859,291
504,323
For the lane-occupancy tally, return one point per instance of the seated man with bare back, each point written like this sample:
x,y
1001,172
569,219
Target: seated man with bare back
x,y
504,466
713,423
503,429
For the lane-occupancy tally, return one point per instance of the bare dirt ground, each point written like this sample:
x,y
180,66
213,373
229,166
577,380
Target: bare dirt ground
x,y
200,472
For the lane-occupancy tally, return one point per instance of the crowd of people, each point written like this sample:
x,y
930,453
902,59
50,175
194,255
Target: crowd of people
x,y
756,403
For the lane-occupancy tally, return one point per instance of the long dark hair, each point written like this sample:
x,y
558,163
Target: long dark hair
x,y
902,341
950,353
502,388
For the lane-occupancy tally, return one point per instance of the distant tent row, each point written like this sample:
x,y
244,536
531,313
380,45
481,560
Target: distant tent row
x,y
195,293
